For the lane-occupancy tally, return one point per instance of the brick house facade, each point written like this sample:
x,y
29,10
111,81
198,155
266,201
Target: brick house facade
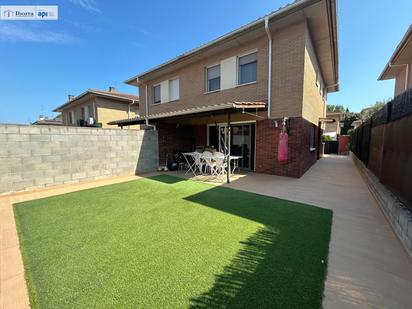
x,y
175,97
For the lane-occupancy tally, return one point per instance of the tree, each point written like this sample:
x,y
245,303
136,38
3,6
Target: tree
x,y
336,108
347,123
367,112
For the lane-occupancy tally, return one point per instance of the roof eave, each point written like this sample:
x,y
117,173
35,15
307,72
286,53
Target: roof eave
x,y
91,91
289,9
398,50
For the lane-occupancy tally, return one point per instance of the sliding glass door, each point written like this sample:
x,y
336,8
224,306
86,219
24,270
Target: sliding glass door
x,y
242,142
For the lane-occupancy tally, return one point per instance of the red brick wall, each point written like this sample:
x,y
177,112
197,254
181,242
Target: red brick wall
x,y
300,158
200,135
343,144
174,139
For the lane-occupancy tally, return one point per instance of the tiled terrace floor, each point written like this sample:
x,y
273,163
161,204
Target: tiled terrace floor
x,y
368,267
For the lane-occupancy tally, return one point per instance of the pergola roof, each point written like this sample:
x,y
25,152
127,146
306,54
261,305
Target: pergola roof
x,y
262,104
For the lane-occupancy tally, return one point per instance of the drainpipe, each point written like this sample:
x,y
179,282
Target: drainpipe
x,y
146,108
269,66
406,72
128,112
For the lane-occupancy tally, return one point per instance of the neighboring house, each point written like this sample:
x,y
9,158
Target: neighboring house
x,y
356,123
281,65
400,64
98,107
332,128
44,120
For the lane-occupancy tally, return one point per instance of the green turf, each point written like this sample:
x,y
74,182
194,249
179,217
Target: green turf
x,y
165,242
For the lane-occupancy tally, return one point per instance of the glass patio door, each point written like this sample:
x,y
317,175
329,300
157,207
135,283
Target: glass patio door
x,y
241,144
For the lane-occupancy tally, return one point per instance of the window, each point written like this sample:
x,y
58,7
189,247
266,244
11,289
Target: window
x,y
312,145
84,116
90,110
247,69
213,78
173,89
156,94
71,117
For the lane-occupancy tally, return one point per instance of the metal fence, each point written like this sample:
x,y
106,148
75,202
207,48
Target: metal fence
x,y
384,144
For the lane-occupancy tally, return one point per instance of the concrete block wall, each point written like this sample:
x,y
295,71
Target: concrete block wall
x,y
41,156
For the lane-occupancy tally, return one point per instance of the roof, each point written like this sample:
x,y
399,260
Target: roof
x,y
55,122
195,110
336,114
287,10
401,56
118,96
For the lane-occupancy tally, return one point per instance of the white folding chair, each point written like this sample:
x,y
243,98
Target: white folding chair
x,y
221,165
207,158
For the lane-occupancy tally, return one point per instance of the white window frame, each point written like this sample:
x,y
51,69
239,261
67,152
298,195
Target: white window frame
x,y
207,79
72,117
153,94
249,52
178,89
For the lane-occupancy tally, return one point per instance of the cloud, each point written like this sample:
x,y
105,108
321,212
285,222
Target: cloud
x,y
12,32
89,5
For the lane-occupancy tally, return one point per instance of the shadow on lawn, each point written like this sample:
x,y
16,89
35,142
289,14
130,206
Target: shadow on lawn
x,y
167,179
280,265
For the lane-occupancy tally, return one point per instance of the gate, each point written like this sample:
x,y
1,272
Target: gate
x,y
331,147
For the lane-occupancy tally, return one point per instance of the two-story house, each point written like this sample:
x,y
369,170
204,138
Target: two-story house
x,y
94,107
399,66
270,75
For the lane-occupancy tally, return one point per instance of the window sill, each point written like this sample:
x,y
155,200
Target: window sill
x,y
311,149
246,84
165,102
209,92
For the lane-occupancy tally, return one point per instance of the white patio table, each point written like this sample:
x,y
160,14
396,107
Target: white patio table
x,y
191,159
235,160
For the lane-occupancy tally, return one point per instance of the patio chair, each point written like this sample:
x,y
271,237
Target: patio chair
x,y
220,166
197,158
209,162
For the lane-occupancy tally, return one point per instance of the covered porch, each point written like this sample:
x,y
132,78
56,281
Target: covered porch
x,y
228,129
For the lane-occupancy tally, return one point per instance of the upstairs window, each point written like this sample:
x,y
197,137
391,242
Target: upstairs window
x,y
71,117
213,78
156,94
174,89
247,68
90,110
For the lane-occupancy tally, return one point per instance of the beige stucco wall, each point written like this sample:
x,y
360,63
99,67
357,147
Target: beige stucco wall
x,y
108,110
77,111
333,126
400,80
105,111
314,105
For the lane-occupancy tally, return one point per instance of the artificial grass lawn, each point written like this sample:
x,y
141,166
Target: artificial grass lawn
x,y
165,242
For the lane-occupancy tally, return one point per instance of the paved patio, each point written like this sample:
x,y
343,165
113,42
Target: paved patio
x,y
368,267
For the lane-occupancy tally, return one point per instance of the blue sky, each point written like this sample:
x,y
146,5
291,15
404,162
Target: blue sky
x,y
95,44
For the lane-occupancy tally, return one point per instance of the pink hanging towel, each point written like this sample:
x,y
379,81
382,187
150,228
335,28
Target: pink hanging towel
x,y
283,147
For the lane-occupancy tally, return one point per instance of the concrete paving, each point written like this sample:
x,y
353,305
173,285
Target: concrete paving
x,y
368,267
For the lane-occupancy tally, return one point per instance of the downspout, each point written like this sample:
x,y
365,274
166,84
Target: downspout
x,y
406,72
128,112
269,66
146,111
